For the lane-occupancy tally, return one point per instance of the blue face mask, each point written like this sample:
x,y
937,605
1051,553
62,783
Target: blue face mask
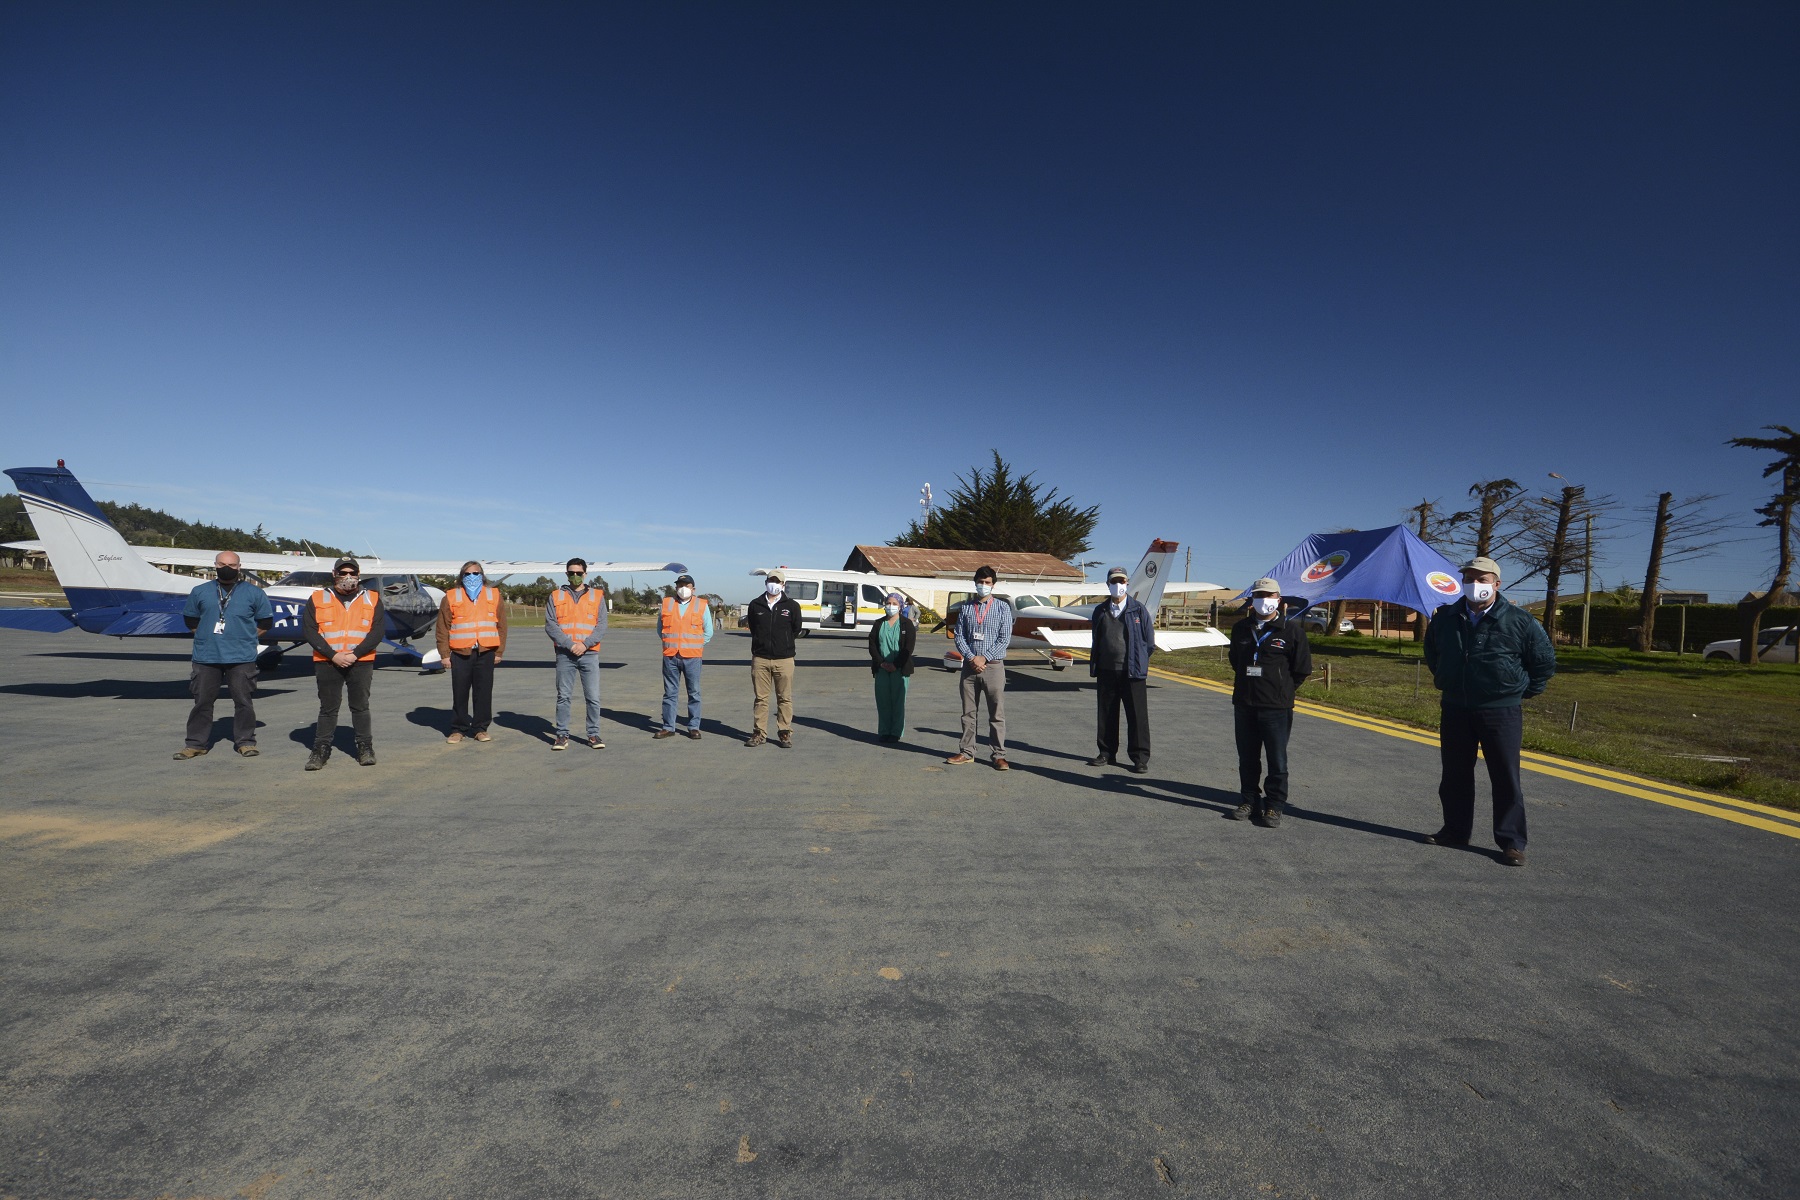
x,y
472,585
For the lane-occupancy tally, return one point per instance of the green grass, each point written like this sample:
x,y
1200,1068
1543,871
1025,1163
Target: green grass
x,y
1637,712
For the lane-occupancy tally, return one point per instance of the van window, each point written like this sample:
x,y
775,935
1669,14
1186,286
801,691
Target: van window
x,y
804,590
874,595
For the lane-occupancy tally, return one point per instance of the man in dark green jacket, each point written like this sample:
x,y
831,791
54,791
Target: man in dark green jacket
x,y
1486,656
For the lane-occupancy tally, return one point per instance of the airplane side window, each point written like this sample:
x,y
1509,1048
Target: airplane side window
x,y
804,591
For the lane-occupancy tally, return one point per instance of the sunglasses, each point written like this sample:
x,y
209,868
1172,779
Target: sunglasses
x,y
347,573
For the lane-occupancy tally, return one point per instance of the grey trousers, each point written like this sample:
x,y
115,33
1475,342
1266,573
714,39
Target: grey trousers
x,y
203,684
992,684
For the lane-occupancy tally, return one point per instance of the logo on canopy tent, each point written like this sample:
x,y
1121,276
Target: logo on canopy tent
x,y
1325,567
1441,582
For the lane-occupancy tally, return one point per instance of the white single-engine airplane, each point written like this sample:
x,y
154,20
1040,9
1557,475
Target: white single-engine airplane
x,y
116,589
1053,632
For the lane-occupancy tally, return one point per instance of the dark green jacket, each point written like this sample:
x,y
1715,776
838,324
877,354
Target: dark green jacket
x,y
1503,659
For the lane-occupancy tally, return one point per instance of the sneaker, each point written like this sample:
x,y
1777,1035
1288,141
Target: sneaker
x,y
365,754
594,743
1242,813
484,736
1139,768
560,742
1270,818
694,734
190,752
320,755
785,741
755,739
1103,760
455,739
1442,838
1513,858
248,751
957,760
660,734
1000,763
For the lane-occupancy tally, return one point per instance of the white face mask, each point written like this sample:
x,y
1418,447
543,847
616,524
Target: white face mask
x,y
1481,593
1117,590
1265,606
773,587
684,593
893,610
984,590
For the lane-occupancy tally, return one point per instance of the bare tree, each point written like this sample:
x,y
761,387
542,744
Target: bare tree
x,y
1778,514
1678,532
1489,529
1430,523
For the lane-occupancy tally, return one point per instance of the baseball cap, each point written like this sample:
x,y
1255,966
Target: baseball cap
x,y
346,561
681,579
777,576
1265,584
1113,573
1482,564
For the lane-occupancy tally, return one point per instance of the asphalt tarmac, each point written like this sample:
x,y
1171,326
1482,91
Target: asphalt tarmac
x,y
686,969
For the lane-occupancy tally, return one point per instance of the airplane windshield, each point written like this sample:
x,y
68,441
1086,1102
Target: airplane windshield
x,y
390,584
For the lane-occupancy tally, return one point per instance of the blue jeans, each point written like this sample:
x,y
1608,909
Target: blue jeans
x,y
675,669
567,667
1260,732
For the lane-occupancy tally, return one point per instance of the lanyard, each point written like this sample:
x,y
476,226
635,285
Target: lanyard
x,y
224,597
981,612
1256,652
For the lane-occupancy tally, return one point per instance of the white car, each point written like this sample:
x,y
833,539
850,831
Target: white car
x,y
1775,645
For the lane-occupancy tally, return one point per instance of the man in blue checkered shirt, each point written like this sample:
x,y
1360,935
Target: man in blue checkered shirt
x,y
983,629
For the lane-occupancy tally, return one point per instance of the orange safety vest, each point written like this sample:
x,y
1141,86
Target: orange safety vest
x,y
577,617
343,625
474,622
683,634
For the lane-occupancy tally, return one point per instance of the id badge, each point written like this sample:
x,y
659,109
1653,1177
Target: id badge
x,y
218,626
975,639
1253,672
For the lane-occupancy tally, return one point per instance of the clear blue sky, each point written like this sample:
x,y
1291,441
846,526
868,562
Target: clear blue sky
x,y
728,282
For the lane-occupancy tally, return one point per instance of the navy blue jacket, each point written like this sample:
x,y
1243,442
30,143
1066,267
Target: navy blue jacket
x,y
1140,637
1497,663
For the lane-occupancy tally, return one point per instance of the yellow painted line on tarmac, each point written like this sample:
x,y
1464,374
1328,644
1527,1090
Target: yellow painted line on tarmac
x,y
1740,812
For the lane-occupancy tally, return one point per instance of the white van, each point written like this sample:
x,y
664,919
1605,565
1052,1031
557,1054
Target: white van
x,y
846,600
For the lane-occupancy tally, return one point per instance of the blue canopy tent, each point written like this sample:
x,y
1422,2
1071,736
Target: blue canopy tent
x,y
1390,565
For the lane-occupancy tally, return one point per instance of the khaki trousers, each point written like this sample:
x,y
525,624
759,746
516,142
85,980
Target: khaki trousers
x,y
776,673
992,684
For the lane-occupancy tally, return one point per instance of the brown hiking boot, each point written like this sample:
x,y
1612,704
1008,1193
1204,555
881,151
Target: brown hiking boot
x,y
958,760
190,752
785,741
755,739
1000,763
660,734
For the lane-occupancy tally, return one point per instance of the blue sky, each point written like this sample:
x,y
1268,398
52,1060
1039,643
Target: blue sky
x,y
728,283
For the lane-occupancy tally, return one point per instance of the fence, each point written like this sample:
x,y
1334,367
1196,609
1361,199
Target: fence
x,y
1615,625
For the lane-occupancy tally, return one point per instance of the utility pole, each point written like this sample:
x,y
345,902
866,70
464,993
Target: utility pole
x,y
1587,583
1186,564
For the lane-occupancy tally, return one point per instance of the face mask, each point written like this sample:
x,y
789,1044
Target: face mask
x,y
1481,593
228,574
1117,590
575,578
347,583
684,592
772,587
893,610
984,590
472,582
1266,606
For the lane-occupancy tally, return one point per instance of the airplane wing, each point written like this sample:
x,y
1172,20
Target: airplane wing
x,y
40,620
1166,639
177,556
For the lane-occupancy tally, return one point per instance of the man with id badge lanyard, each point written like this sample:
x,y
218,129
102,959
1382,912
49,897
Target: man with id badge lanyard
x,y
226,614
1270,659
983,630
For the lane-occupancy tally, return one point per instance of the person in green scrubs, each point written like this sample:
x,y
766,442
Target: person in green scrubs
x,y
891,662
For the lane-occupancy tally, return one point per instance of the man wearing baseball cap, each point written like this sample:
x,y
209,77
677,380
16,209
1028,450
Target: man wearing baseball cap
x,y
344,624
574,620
1270,659
774,621
685,625
1120,664
1486,656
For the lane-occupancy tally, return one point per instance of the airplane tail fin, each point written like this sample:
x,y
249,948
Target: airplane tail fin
x,y
85,549
1152,572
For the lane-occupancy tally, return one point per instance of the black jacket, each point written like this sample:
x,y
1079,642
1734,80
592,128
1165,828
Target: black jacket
x,y
1496,663
773,630
1285,659
903,661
